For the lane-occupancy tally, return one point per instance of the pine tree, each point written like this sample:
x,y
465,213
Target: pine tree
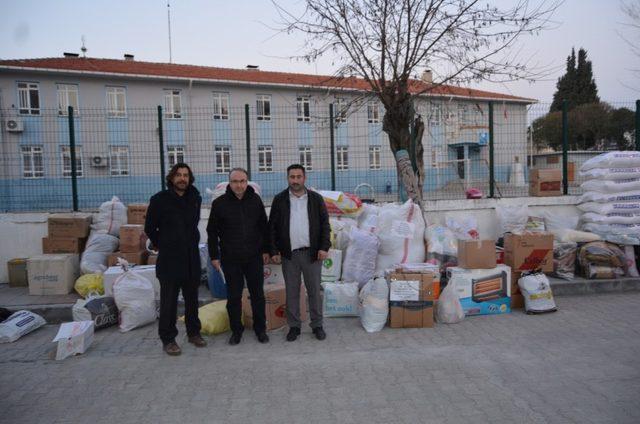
x,y
577,85
565,84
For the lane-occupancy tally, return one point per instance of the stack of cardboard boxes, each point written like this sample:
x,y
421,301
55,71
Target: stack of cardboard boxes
x,y
411,299
67,233
132,246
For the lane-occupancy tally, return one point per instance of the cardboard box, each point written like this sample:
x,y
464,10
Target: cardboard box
x,y
482,291
275,306
147,271
476,254
423,268
132,238
273,274
515,276
63,245
152,259
411,300
134,258
52,274
529,251
545,182
17,271
74,225
332,266
136,213
73,338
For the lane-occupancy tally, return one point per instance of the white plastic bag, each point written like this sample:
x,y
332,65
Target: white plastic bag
x,y
374,304
340,228
340,299
360,258
536,290
19,324
401,233
99,247
135,299
512,219
368,219
442,246
555,221
617,159
111,216
464,228
101,310
449,309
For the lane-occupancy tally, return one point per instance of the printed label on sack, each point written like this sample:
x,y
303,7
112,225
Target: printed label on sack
x,y
404,290
403,229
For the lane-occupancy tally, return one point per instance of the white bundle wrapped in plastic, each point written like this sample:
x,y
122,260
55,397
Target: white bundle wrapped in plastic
x,y
99,247
610,173
340,229
611,186
359,264
512,219
401,233
111,216
368,219
221,188
617,159
135,298
536,290
374,304
605,208
612,218
594,196
615,233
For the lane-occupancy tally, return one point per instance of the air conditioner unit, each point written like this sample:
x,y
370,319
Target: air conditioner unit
x,y
14,125
99,161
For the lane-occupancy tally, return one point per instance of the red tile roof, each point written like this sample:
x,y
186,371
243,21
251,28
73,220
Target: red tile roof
x,y
171,70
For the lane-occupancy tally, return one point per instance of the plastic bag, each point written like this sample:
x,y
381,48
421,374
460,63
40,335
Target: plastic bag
x,y
111,216
602,272
374,305
214,318
99,247
89,283
555,221
368,219
512,219
449,309
221,188
341,204
536,290
360,258
19,324
401,233
617,159
442,247
340,299
535,225
564,259
602,253
102,310
340,228
464,228
135,298
565,235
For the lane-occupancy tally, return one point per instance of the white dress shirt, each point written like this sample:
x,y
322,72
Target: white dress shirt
x,y
298,221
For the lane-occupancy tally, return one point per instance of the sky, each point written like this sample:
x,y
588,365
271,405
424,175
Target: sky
x,y
236,33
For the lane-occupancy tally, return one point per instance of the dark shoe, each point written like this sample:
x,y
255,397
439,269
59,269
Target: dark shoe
x,y
235,339
293,334
262,337
172,349
320,334
198,341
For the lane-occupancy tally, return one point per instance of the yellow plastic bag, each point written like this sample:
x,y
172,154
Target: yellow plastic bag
x,y
89,283
213,318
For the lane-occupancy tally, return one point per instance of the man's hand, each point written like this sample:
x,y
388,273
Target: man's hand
x,y
276,259
322,255
216,264
265,258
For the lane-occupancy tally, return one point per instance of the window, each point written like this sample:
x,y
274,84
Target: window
x,y
116,102
223,163
29,98
341,110
119,160
265,158
373,114
172,104
435,115
175,155
67,96
65,152
302,106
263,107
343,158
220,106
463,114
305,158
374,157
32,163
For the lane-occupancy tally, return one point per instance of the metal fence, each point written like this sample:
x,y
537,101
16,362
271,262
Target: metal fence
x,y
489,146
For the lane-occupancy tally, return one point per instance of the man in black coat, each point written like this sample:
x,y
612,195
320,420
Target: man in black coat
x,y
172,226
238,222
300,236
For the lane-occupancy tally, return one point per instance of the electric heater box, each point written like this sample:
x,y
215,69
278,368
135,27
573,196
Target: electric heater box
x,y
482,291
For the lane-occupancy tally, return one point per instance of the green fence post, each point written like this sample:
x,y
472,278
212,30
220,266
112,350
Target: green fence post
x,y
72,151
332,147
491,153
565,147
161,143
248,138
637,125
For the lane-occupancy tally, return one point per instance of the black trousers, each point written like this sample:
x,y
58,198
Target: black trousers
x,y
169,308
235,274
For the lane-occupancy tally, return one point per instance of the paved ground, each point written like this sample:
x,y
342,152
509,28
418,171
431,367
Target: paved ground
x,y
581,364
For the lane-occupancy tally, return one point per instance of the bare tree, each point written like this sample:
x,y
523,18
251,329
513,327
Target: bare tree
x,y
632,10
388,42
